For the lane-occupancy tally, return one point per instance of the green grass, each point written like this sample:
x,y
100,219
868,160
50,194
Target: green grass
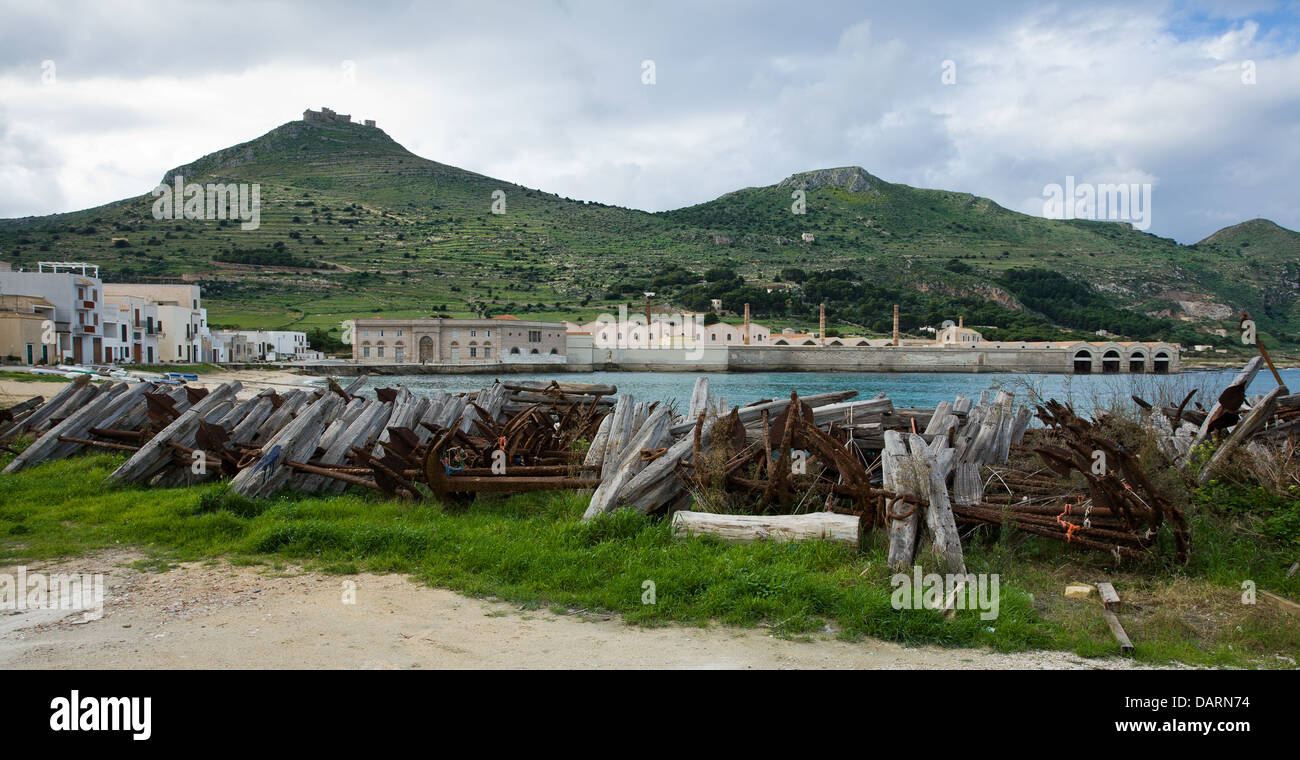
x,y
193,368
32,377
533,550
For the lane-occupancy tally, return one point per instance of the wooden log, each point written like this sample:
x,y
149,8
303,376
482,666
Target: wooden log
x,y
814,526
1001,450
699,398
967,485
156,454
405,414
596,451
654,429
1020,425
900,479
76,425
566,400
619,433
968,431
55,406
652,487
1230,400
354,387
942,412
363,433
852,411
1255,421
354,408
294,442
181,470
248,427
289,405
360,432
945,541
16,412
755,412
590,389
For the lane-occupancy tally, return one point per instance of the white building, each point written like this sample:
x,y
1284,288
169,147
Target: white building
x,y
77,294
184,333
138,343
261,346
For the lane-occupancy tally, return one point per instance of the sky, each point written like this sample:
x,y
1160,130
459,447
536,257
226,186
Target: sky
x,y
658,105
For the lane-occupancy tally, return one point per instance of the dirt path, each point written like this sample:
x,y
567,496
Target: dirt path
x,y
222,616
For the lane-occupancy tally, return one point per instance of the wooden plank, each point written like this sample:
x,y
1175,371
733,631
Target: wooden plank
x,y
1108,597
1112,620
967,485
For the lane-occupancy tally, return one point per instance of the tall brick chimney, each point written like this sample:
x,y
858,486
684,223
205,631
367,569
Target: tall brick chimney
x,y
895,324
746,324
821,330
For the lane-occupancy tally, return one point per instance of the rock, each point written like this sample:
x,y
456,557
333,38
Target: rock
x,y
1078,591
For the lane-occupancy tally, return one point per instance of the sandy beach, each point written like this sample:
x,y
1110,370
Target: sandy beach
x,y
254,382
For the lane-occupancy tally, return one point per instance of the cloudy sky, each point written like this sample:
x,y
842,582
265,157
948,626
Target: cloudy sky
x,y
1199,98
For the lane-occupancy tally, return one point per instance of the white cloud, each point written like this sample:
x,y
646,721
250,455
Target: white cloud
x,y
551,97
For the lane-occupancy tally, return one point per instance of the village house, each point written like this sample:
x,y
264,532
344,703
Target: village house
x,y
261,346
21,329
76,293
183,336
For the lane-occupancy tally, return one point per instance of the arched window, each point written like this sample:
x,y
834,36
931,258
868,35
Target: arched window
x,y
1082,362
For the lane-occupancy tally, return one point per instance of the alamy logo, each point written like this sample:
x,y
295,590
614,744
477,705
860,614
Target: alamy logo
x,y
1106,202
686,331
55,591
78,713
195,201
957,591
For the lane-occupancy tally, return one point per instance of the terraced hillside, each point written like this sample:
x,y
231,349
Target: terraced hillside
x,y
354,224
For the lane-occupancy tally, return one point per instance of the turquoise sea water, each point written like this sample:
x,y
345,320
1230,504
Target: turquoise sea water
x,y
925,389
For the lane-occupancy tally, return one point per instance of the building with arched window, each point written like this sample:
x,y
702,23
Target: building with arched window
x,y
460,341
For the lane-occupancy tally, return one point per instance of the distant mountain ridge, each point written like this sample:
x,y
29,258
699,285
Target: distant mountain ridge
x,y
354,223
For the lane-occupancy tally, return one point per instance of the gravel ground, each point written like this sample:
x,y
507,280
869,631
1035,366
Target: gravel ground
x,y
215,615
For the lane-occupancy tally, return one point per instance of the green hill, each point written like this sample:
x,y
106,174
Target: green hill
x,y
354,224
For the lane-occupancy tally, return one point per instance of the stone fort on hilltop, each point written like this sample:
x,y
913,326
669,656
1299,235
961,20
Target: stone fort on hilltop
x,y
328,114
